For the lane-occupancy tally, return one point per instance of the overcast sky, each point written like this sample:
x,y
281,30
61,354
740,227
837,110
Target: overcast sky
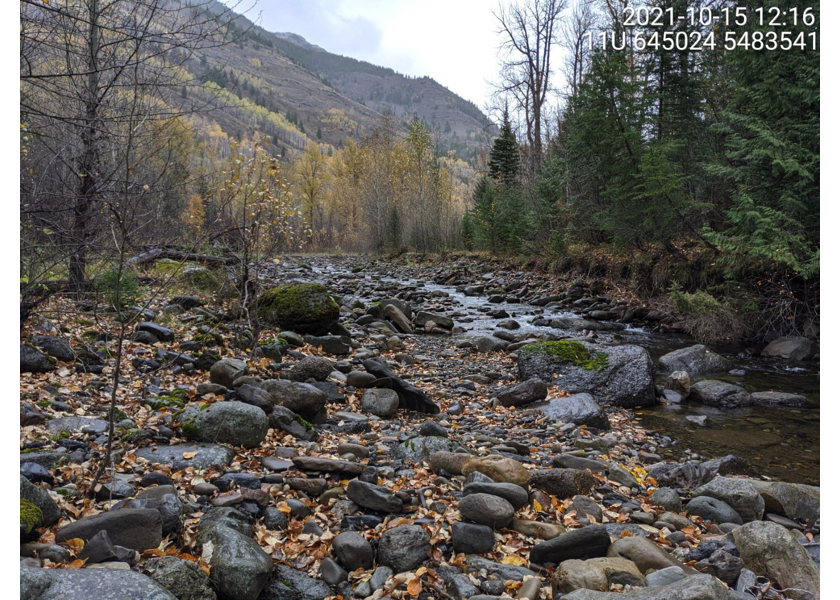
x,y
452,41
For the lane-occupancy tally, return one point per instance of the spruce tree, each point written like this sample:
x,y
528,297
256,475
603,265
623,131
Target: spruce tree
x,y
504,157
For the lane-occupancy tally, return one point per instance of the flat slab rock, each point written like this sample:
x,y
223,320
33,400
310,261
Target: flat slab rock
x,y
88,424
87,584
327,465
180,456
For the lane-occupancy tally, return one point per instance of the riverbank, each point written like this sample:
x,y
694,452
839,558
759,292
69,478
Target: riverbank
x,y
349,483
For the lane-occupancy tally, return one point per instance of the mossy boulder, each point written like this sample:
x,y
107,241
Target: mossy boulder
x,y
615,375
30,516
47,510
300,307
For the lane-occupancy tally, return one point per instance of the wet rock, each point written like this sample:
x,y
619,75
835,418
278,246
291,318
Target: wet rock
x,y
381,402
771,550
471,538
580,409
791,347
404,548
374,497
563,483
776,399
532,390
617,375
679,382
84,584
485,509
228,370
594,574
183,578
683,475
587,542
136,528
737,493
720,394
712,509
695,360
498,468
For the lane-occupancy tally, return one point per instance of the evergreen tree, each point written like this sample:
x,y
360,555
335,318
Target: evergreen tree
x,y
504,157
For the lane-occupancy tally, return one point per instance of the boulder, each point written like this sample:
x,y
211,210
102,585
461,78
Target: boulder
x,y
616,375
85,584
523,393
404,548
695,360
451,462
56,347
580,409
311,367
183,578
498,468
331,344
234,423
353,551
712,509
50,513
33,360
283,419
487,343
411,397
695,587
422,317
791,347
136,528
594,574
486,509
471,538
720,394
645,554
301,398
793,500
563,483
287,583
398,317
162,498
679,382
777,399
226,371
381,402
771,550
374,497
514,494
737,493
238,566
587,542
181,456
300,307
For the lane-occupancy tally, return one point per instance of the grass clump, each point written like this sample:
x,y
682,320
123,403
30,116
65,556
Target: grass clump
x,y
571,352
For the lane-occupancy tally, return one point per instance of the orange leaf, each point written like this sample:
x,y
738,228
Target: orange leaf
x,y
415,586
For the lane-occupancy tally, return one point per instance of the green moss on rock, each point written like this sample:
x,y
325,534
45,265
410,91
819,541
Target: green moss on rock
x,y
30,515
570,352
300,307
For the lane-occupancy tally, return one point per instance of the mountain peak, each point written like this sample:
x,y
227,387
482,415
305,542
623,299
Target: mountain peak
x,y
298,40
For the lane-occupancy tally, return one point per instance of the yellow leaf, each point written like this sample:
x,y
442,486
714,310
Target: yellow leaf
x,y
537,506
189,455
512,559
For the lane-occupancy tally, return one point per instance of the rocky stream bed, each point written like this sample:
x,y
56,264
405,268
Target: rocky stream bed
x,y
450,431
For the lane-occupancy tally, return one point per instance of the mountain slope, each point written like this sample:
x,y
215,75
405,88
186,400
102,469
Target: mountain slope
x,y
294,91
